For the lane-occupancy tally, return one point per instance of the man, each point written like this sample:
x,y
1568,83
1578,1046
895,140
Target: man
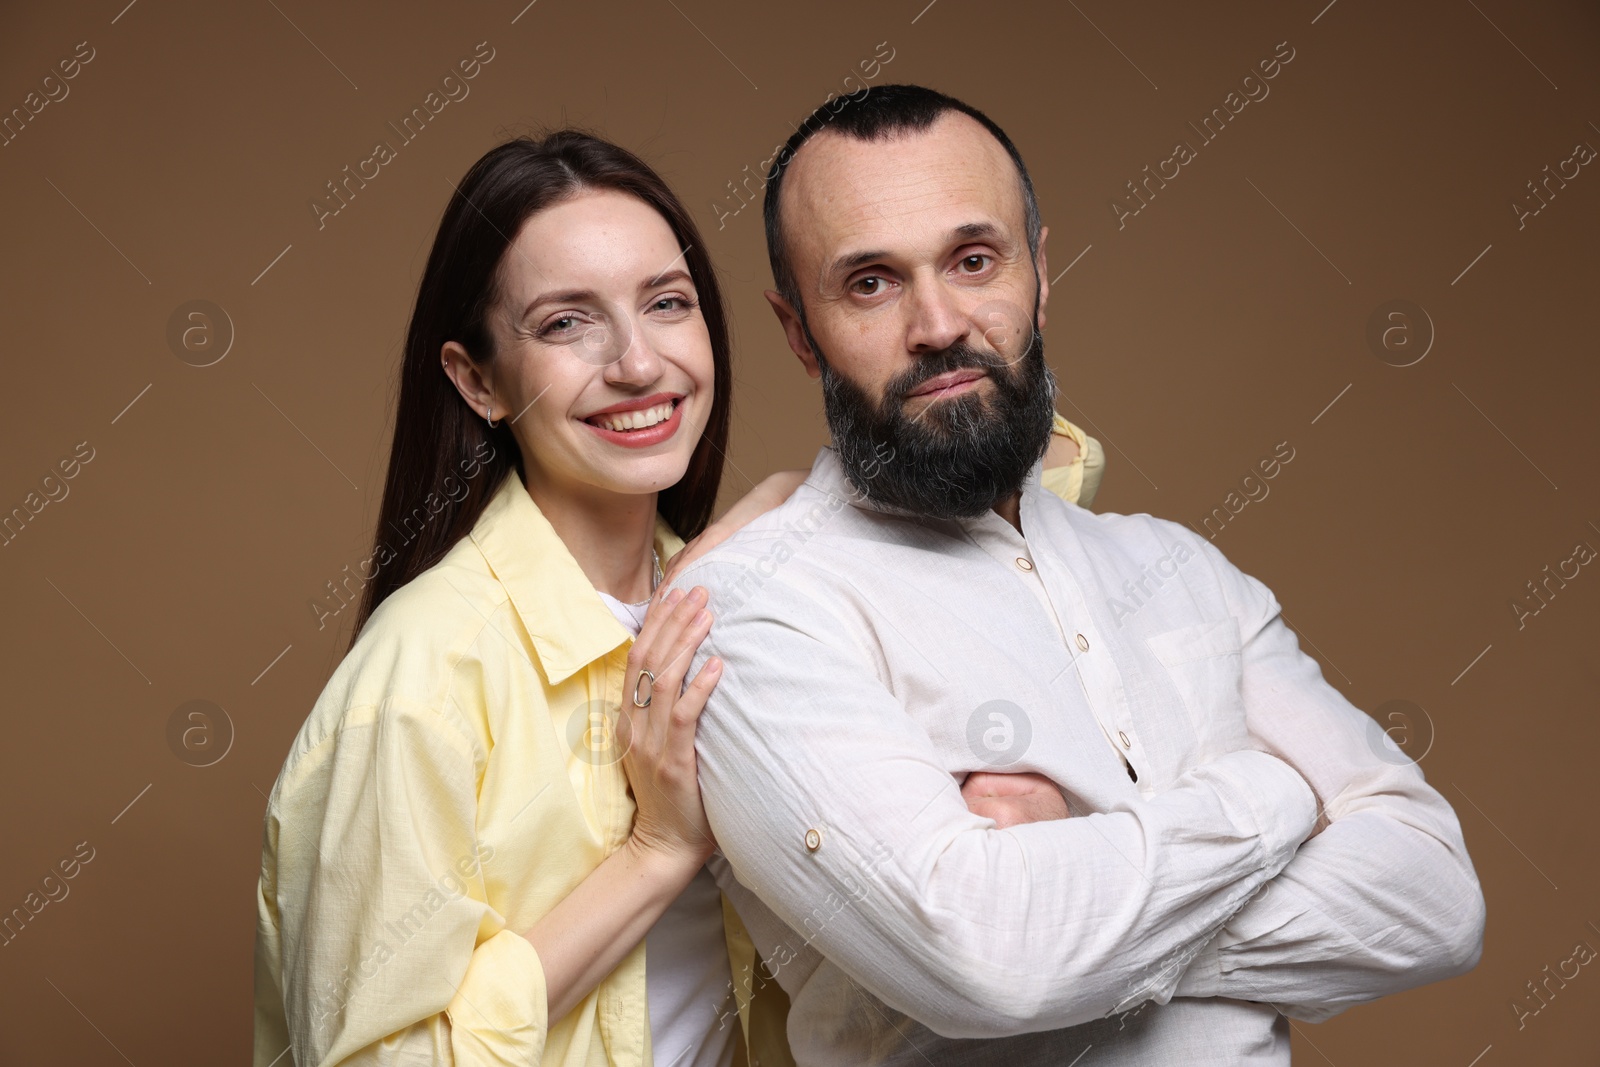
x,y
1243,846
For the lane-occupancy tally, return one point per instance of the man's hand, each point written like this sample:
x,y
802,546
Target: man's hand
x,y
1013,799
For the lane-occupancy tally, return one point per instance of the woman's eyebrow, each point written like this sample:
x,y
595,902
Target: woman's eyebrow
x,y
565,296
676,275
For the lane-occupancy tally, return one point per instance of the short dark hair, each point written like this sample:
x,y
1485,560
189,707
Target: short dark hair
x,y
875,115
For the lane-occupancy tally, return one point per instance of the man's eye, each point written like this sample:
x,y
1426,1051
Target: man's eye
x,y
868,286
974,263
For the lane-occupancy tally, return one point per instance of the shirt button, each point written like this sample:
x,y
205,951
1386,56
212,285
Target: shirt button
x,y
1124,739
1025,563
813,840
1083,642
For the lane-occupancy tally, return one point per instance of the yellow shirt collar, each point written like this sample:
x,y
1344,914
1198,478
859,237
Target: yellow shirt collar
x,y
569,624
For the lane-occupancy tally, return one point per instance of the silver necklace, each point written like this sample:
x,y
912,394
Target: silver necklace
x,y
637,611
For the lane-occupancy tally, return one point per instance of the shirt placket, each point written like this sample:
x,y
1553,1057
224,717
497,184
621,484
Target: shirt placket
x,y
1095,665
613,781
621,1003
1087,653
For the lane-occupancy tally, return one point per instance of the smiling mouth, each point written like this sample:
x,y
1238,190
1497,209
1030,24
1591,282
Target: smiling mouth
x,y
629,421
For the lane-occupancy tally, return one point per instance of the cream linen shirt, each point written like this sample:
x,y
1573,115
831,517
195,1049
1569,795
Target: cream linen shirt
x,y
873,659
452,784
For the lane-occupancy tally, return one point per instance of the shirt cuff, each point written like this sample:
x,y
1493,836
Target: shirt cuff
x,y
499,1012
1094,467
1066,481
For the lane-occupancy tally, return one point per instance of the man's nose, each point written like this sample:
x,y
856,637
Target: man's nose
x,y
936,321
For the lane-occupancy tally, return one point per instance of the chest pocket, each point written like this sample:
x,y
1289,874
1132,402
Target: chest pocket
x,y
1205,663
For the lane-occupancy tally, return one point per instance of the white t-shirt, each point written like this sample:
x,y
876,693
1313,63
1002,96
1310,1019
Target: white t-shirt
x,y
687,980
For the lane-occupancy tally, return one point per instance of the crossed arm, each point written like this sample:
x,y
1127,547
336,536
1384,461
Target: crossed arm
x,y
974,931
1198,891
1385,898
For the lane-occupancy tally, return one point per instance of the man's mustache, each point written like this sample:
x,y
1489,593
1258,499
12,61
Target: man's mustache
x,y
959,356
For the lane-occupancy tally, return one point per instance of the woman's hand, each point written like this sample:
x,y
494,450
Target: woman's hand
x,y
1062,451
585,936
658,739
1012,799
773,490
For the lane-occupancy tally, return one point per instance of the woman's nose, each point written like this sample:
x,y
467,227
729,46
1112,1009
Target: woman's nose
x,y
634,359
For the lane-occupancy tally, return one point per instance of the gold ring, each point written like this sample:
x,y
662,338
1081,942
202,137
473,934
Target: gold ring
x,y
645,703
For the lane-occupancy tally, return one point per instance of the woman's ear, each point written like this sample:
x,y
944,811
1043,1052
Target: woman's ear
x,y
468,377
795,333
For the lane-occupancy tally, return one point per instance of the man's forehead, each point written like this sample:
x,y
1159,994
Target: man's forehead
x,y
842,188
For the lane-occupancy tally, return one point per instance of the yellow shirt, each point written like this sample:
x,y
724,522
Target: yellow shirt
x,y
448,789
456,780
1079,480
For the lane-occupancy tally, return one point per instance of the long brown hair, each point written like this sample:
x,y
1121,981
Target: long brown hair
x,y
446,461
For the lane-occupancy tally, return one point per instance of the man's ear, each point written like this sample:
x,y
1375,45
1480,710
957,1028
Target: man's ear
x,y
467,376
790,320
1044,277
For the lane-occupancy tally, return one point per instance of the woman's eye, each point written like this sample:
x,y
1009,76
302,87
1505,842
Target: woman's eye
x,y
559,324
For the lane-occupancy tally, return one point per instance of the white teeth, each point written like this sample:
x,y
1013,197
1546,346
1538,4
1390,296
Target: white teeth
x,y
635,420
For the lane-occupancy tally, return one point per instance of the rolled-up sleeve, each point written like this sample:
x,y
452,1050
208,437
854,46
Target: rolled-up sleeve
x,y
375,929
1076,482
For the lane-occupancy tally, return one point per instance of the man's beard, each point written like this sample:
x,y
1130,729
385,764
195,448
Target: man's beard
x,y
961,455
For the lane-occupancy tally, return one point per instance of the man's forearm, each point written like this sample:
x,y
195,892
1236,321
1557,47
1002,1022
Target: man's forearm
x,y
1038,927
1384,898
1369,907
821,789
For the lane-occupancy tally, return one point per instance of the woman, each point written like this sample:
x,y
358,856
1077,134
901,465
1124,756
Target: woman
x,y
469,854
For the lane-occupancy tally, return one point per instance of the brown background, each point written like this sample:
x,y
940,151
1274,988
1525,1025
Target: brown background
x,y
1223,319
